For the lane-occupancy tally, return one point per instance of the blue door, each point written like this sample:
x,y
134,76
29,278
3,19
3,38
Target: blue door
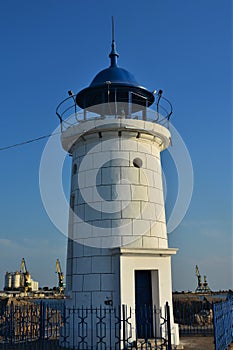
x,y
143,303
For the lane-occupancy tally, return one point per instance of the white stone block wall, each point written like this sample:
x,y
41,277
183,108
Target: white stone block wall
x,y
118,181
115,204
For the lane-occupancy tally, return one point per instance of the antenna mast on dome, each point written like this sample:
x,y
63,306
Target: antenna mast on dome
x,y
113,54
113,31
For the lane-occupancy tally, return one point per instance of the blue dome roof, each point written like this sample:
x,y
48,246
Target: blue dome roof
x,y
114,84
115,75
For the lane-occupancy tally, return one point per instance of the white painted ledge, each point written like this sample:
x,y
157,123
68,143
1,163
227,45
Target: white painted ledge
x,y
144,251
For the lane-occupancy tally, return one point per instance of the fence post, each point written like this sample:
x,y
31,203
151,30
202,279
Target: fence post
x,y
169,345
42,324
124,326
215,326
11,322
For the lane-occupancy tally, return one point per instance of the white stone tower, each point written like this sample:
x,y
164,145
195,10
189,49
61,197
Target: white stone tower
x,y
118,249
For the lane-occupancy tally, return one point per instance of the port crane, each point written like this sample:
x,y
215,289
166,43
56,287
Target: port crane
x,y
201,287
199,282
205,285
25,276
60,274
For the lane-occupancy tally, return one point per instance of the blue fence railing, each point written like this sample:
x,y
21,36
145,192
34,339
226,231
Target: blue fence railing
x,y
223,324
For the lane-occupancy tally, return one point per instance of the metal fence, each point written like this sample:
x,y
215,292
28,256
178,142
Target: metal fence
x,y
223,324
46,327
27,326
193,317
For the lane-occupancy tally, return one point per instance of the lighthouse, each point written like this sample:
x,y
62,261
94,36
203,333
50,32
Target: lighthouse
x,y
118,250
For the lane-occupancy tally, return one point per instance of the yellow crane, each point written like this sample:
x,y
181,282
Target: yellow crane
x,y
60,274
25,277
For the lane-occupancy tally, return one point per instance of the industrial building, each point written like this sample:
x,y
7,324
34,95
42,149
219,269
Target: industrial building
x,y
20,280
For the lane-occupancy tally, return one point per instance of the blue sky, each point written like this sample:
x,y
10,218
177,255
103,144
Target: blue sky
x,y
184,47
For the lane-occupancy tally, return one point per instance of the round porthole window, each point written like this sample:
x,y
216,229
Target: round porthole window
x,y
137,162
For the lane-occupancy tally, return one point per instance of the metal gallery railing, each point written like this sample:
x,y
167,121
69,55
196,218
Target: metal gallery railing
x,y
70,114
47,326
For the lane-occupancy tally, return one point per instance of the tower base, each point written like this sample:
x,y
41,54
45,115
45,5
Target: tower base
x,y
145,281
141,282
